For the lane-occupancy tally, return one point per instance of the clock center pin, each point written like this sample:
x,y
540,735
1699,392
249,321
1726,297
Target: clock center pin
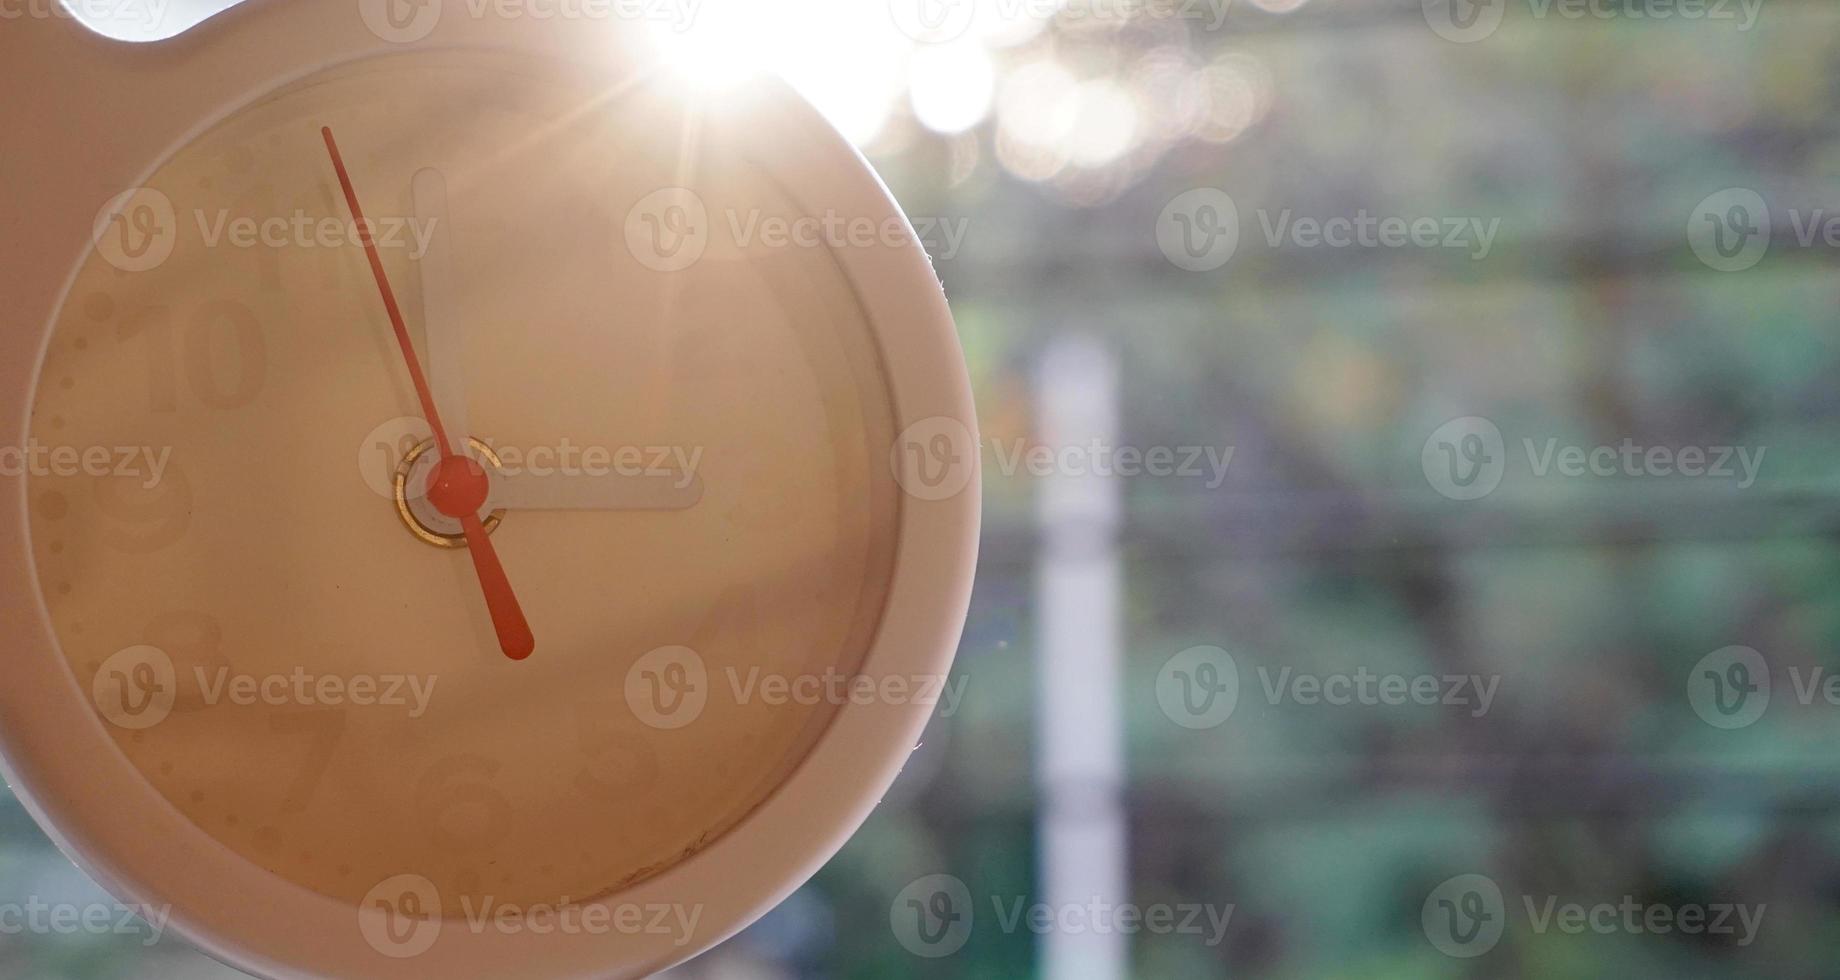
x,y
432,493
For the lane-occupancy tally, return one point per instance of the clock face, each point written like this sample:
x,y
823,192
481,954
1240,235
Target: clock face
x,y
688,432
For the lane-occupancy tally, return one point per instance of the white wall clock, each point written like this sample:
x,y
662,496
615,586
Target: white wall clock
x,y
677,606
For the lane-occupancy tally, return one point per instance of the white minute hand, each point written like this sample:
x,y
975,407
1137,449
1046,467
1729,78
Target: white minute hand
x,y
443,330
625,487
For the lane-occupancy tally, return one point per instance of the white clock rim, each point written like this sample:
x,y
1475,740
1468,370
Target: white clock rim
x,y
129,103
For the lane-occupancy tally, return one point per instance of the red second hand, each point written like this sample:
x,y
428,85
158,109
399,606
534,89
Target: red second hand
x,y
459,486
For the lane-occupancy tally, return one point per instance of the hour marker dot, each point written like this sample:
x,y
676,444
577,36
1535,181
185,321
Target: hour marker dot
x,y
57,547
63,588
99,306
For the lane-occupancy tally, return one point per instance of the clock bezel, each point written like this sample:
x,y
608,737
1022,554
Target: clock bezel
x,y
98,107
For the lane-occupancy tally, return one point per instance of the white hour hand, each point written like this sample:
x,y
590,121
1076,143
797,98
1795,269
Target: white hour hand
x,y
523,491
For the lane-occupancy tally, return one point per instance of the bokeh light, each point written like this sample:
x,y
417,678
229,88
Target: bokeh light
x,y
1045,89
952,86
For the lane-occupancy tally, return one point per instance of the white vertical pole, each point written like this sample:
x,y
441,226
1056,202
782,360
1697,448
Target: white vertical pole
x,y
1080,764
